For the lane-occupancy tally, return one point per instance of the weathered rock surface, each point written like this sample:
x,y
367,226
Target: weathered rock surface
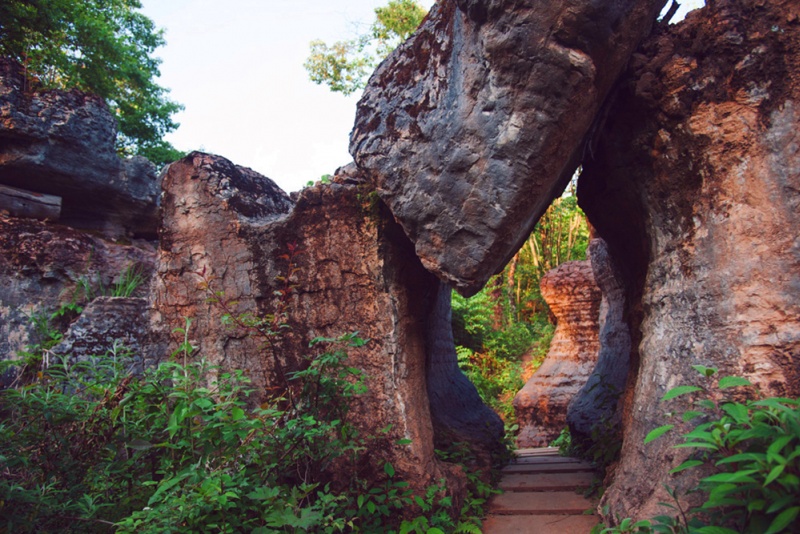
x,y
457,411
115,328
42,266
62,143
541,405
348,268
595,405
696,189
471,128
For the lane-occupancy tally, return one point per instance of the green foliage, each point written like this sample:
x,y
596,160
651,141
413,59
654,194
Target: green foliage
x,y
345,65
103,47
503,332
751,448
89,448
179,450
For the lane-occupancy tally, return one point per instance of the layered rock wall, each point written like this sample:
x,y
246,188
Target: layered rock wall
x,y
44,266
541,406
695,187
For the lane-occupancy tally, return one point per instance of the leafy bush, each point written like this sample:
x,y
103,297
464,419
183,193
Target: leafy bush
x,y
90,448
752,447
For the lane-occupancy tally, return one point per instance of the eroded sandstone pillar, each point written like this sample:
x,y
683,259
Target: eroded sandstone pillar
x,y
541,405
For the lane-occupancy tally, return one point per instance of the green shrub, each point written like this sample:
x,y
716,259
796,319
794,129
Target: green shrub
x,y
751,445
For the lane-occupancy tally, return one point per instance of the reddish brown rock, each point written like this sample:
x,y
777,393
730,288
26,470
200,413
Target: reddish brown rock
x,y
472,127
43,266
541,406
695,187
349,269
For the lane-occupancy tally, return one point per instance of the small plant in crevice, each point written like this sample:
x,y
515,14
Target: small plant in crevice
x,y
749,444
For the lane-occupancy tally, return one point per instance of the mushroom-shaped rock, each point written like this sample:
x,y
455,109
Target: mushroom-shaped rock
x,y
541,406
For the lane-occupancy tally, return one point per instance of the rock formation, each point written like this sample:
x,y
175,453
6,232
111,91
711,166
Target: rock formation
x,y
472,127
62,143
117,328
594,408
339,264
694,186
541,405
43,266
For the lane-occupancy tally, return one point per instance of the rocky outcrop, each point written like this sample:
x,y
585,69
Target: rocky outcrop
x,y
471,128
541,405
116,329
43,266
331,264
695,187
593,411
62,143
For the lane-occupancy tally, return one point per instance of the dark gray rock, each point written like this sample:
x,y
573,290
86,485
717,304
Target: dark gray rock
x,y
112,328
470,129
595,405
62,143
457,411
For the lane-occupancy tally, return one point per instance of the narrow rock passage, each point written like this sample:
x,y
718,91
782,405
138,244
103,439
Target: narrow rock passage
x,y
542,495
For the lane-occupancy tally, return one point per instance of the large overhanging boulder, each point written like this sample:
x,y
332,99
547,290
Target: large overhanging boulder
x,y
62,143
473,126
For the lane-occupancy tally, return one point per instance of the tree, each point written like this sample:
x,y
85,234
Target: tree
x,y
99,46
345,66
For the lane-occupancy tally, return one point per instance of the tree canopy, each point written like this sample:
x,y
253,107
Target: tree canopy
x,y
345,66
99,46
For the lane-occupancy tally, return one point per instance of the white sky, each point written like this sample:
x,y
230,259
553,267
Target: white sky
x,y
237,67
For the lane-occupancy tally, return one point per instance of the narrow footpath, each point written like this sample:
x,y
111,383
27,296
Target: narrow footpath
x,y
543,494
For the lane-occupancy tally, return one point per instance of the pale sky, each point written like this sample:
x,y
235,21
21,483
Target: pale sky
x,y
237,67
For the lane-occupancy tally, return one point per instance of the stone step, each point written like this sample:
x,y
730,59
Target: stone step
x,y
539,503
542,451
549,468
547,481
542,459
539,524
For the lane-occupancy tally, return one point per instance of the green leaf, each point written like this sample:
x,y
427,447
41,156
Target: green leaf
x,y
705,371
434,530
775,473
743,457
736,476
737,411
783,520
714,530
140,445
657,433
680,390
237,413
776,447
688,464
388,469
732,382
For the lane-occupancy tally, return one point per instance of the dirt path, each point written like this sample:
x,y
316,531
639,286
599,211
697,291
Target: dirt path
x,y
542,495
